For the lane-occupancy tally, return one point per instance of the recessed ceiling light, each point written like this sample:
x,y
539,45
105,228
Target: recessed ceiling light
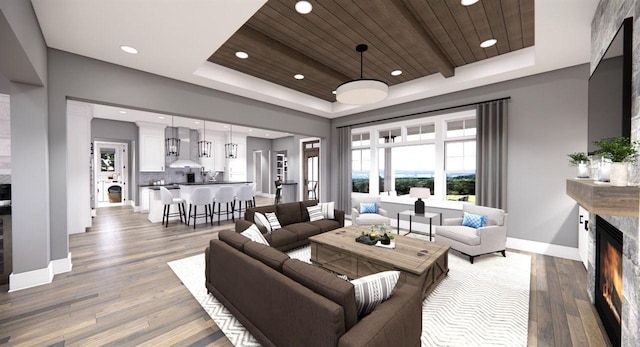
x,y
250,130
266,134
303,7
468,2
396,72
488,43
122,111
226,126
197,122
242,55
298,76
161,117
129,49
334,92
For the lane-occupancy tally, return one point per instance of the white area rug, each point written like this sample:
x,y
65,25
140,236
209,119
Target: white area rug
x,y
481,304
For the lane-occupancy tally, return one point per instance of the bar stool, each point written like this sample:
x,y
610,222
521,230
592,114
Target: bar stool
x,y
167,200
253,189
200,197
244,193
226,195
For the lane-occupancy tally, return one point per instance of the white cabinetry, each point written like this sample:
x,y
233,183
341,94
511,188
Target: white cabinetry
x,y
583,235
151,140
217,161
144,199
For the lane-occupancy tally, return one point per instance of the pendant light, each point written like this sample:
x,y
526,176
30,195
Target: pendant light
x,y
204,146
172,143
362,91
231,149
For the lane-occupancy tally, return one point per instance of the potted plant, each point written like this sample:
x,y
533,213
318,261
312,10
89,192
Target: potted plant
x,y
579,159
621,151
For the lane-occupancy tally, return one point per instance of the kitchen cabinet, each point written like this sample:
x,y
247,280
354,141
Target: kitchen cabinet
x,y
216,162
152,141
144,199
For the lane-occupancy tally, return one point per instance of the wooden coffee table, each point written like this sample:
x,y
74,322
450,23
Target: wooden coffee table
x,y
421,263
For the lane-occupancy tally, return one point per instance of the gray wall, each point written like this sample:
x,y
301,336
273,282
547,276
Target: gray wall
x,y
4,85
117,131
264,145
547,120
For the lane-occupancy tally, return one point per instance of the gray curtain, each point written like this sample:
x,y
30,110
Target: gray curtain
x,y
491,154
343,201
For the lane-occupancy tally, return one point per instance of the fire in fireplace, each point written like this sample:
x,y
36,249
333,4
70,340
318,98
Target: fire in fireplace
x,y
609,278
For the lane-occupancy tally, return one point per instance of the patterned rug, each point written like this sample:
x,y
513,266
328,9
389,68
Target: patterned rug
x,y
481,304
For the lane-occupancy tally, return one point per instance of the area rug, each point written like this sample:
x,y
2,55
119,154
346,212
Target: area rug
x,y
481,304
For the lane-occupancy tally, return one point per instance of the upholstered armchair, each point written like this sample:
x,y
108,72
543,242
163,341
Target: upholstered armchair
x,y
492,237
357,218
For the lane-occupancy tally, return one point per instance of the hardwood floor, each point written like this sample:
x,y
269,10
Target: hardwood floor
x,y
121,292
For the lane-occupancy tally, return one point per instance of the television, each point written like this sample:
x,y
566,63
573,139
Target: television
x,y
610,89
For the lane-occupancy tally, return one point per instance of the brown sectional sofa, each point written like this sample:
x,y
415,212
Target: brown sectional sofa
x,y
285,302
296,227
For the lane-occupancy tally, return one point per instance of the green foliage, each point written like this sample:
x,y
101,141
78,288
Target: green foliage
x,y
576,158
618,149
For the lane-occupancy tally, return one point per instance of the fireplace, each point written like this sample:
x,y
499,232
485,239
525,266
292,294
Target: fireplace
x,y
608,286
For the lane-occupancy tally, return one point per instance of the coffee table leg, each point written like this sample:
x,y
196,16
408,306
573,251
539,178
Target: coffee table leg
x,y
398,225
409,224
430,226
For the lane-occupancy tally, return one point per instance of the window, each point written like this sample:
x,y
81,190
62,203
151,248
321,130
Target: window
x,y
436,152
421,132
360,167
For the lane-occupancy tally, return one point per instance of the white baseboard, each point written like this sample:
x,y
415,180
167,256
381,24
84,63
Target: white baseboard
x,y
39,277
30,279
544,248
62,265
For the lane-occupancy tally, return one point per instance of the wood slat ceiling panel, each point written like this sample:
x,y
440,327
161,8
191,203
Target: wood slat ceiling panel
x,y
419,37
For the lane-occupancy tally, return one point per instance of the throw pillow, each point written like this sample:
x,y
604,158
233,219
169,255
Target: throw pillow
x,y
368,207
327,209
254,234
273,221
474,220
261,220
315,213
373,289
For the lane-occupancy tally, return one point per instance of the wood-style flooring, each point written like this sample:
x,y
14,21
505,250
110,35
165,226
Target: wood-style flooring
x,y
121,292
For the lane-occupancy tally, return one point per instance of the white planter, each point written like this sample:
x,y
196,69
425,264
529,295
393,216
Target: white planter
x,y
618,174
583,170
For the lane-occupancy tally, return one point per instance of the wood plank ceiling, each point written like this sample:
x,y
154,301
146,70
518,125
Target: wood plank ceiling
x,y
418,37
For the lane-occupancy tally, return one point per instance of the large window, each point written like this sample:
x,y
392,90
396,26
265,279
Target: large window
x,y
436,152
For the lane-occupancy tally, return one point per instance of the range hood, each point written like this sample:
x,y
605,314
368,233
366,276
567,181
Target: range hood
x,y
184,157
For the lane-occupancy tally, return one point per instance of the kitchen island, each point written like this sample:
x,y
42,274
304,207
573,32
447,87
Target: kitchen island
x,y
184,190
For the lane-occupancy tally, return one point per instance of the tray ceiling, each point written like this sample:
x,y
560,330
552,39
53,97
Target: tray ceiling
x,y
418,37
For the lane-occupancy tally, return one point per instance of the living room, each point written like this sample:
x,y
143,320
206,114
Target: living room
x,y
547,120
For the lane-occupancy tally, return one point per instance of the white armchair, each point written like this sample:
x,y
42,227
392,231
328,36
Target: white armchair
x,y
368,218
474,242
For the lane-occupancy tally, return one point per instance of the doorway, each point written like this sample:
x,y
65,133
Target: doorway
x,y
311,169
111,162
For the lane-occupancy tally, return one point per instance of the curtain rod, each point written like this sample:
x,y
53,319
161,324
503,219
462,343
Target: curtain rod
x,y
424,112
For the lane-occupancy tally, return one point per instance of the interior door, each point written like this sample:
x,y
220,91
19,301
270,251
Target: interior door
x,y
311,170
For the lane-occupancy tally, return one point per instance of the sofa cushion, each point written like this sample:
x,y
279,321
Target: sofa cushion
x,y
261,220
254,234
327,209
474,220
326,224
494,216
323,283
267,255
289,213
233,239
303,230
371,218
373,289
468,236
282,237
249,214
273,221
368,207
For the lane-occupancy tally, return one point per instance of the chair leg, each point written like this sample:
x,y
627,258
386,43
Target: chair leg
x,y
195,216
219,212
503,253
164,213
213,212
189,215
471,259
184,213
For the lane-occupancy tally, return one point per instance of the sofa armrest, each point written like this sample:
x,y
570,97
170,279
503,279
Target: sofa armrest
x,y
395,322
382,212
338,215
493,237
452,221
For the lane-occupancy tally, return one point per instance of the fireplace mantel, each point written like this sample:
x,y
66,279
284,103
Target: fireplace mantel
x,y
603,199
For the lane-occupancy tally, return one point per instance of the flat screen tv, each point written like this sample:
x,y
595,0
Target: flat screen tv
x,y
610,89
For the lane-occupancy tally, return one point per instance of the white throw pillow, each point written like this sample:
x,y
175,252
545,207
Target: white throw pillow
x,y
315,213
273,221
261,220
373,289
254,234
327,209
